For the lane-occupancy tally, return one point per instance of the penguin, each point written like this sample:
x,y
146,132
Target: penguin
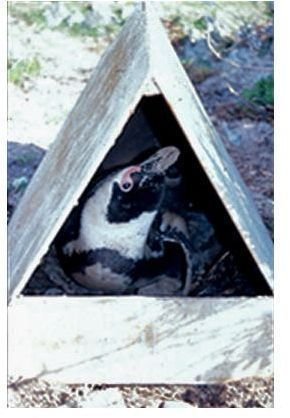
x,y
121,232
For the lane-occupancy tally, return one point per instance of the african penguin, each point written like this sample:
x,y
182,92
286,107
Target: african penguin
x,y
105,244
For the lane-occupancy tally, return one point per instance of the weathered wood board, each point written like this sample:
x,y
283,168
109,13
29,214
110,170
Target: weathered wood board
x,y
91,129
141,62
171,79
139,339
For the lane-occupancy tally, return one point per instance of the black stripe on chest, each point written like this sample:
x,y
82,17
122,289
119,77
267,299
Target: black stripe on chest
x,y
172,263
112,259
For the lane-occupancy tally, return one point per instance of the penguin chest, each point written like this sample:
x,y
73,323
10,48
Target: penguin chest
x,y
104,254
128,239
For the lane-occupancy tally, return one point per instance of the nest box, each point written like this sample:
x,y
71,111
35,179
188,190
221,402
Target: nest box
x,y
134,339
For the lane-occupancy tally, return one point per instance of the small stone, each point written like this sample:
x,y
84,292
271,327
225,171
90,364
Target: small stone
x,y
176,404
108,398
20,183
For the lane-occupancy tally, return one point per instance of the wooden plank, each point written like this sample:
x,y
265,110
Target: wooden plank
x,y
129,70
92,127
139,339
151,89
170,77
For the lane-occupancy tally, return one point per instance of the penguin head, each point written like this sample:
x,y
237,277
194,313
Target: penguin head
x,y
139,188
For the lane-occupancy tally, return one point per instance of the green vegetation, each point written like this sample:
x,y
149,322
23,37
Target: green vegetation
x,y
22,70
78,29
200,24
262,93
182,18
30,13
34,14
98,30
116,23
192,17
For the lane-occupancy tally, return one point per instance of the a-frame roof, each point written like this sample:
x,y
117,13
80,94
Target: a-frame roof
x,y
140,62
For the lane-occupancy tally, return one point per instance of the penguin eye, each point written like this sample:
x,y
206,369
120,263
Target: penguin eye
x,y
127,186
127,183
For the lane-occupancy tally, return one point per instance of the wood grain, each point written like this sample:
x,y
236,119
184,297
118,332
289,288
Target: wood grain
x,y
139,339
140,62
179,93
90,130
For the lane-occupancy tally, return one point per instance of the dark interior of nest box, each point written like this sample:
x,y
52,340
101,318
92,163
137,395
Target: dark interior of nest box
x,y
230,269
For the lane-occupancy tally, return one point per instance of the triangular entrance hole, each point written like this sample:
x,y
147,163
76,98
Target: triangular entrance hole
x,y
224,265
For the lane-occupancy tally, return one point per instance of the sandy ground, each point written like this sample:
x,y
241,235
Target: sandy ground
x,y
37,111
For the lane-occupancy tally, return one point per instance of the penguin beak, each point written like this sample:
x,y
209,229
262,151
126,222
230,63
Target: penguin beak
x,y
150,172
160,162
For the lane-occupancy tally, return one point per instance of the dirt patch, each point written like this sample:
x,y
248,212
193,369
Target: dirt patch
x,y
247,393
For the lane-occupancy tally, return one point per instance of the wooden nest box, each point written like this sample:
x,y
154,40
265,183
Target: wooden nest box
x,y
135,339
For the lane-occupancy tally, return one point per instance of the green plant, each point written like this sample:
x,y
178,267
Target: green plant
x,y
200,24
31,14
78,29
117,17
99,30
117,21
262,92
24,69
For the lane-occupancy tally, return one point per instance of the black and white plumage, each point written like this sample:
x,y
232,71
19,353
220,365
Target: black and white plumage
x,y
121,230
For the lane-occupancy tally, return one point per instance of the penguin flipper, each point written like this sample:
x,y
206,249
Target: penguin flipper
x,y
169,240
